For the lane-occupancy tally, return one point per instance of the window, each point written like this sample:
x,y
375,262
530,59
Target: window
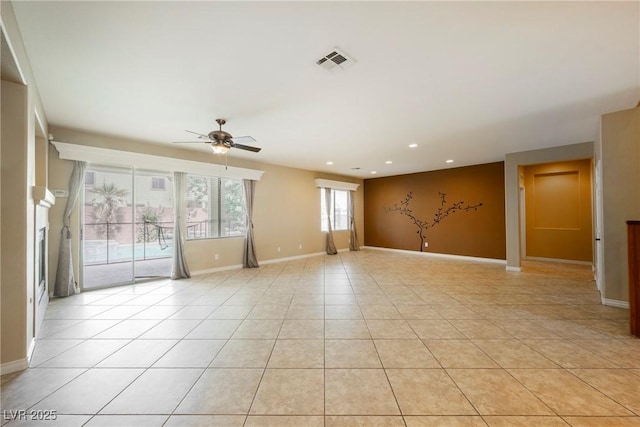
x,y
157,183
215,207
89,178
338,210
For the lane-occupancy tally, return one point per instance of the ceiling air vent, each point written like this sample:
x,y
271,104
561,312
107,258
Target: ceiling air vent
x,y
336,58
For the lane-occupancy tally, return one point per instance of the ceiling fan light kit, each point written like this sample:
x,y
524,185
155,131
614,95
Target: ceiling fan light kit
x,y
221,142
219,148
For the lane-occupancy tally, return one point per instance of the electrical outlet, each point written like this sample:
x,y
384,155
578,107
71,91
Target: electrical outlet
x,y
216,257
300,246
278,248
426,244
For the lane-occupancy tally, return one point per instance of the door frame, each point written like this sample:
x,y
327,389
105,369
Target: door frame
x,y
513,161
133,173
598,253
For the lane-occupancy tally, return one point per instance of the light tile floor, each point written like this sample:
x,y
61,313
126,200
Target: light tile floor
x,y
369,338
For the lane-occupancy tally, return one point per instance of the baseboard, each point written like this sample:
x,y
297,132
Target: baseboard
x,y
615,303
14,366
216,269
516,269
439,255
264,261
292,258
32,347
562,261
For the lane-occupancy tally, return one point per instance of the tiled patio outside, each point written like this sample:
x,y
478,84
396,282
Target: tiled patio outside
x,y
98,275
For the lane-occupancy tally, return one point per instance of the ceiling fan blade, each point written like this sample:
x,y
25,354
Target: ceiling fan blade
x,y
191,142
243,139
246,147
202,136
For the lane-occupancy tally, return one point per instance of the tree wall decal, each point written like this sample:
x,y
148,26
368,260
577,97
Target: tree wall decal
x,y
442,212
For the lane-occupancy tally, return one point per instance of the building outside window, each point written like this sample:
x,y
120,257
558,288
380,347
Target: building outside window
x,y
158,183
90,178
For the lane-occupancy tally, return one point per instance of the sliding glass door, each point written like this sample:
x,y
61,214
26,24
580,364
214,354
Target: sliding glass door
x,y
107,228
127,226
153,224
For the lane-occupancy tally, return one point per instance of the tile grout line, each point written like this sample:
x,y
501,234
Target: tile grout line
x,y
385,292
264,370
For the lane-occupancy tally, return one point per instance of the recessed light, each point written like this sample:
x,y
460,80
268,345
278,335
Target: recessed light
x,y
450,161
373,172
413,145
329,162
388,162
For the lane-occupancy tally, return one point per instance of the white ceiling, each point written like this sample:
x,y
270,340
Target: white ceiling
x,y
468,81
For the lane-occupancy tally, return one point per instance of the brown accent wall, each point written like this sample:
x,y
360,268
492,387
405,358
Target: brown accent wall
x,y
558,210
478,233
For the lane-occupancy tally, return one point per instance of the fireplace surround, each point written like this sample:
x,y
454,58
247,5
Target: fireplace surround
x,y
43,199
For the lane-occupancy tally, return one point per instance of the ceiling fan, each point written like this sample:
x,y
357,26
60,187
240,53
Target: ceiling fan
x,y
221,141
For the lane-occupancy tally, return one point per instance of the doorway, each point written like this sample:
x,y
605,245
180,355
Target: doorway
x,y
558,213
127,226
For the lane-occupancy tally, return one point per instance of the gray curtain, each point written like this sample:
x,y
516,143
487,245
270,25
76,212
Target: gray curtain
x,y
179,269
65,281
353,234
331,247
250,260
